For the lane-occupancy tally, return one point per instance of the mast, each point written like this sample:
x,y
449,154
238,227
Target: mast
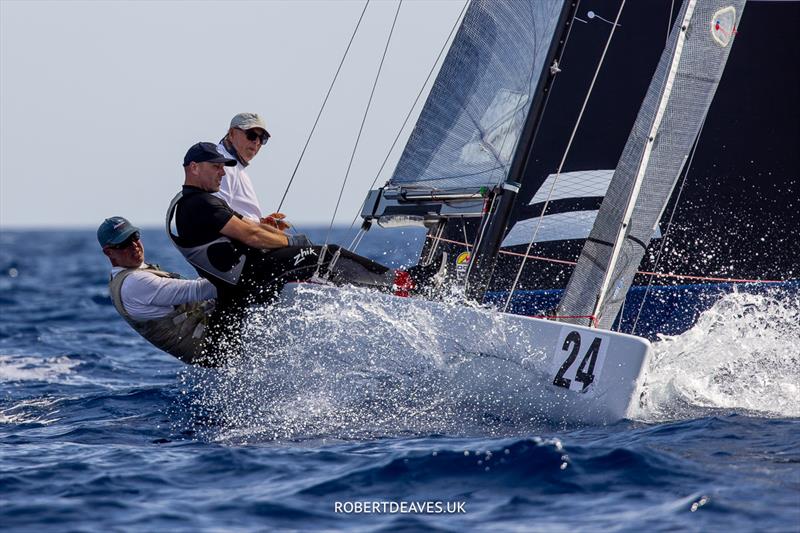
x,y
484,258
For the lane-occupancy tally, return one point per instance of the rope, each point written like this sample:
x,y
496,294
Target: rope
x,y
363,121
643,272
564,158
325,101
414,105
357,239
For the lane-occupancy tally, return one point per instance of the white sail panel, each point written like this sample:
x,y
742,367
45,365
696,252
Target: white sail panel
x,y
557,227
576,184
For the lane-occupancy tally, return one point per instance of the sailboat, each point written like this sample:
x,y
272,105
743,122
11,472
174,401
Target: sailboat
x,y
513,150
731,219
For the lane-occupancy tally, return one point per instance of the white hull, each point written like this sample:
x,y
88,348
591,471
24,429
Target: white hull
x,y
497,361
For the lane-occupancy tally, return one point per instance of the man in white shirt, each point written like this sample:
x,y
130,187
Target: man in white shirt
x,y
246,135
168,311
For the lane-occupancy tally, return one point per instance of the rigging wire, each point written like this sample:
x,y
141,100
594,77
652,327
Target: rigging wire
x,y
669,20
353,244
363,120
666,230
564,158
322,107
464,227
481,231
355,148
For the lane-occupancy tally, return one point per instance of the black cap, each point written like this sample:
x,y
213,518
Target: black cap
x,y
206,153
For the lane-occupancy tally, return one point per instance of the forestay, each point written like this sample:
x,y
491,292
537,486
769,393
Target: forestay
x,y
470,125
665,129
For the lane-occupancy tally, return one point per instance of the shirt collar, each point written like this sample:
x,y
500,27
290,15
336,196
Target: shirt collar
x,y
117,269
227,145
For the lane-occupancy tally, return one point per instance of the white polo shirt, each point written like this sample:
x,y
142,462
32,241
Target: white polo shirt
x,y
237,189
146,296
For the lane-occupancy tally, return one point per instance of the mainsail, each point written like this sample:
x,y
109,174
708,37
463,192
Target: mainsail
x,y
666,127
469,128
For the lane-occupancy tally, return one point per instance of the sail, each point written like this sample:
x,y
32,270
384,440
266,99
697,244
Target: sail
x,y
468,130
665,129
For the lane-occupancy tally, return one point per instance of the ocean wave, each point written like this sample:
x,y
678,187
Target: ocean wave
x,y
742,355
33,410
59,369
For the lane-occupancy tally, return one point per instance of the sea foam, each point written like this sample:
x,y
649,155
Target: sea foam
x,y
743,355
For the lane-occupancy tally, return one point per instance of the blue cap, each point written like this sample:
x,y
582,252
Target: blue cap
x,y
115,230
206,153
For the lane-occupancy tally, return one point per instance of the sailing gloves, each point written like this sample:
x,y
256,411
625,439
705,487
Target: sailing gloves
x,y
298,239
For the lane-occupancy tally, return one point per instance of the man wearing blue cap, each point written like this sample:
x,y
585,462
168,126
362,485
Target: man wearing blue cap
x,y
168,311
249,261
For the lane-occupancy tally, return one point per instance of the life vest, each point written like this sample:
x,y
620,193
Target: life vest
x,y
198,256
180,333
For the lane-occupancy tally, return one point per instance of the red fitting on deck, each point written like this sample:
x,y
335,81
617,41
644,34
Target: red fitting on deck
x,y
403,284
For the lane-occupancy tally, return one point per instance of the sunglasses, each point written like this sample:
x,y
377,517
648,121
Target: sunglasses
x,y
127,242
252,135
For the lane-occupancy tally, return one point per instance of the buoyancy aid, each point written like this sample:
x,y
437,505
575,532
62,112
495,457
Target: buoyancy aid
x,y
198,256
181,333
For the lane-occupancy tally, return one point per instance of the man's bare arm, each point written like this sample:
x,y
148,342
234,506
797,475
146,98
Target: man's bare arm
x,y
269,228
253,234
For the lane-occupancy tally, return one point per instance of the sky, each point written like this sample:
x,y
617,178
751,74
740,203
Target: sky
x,y
100,100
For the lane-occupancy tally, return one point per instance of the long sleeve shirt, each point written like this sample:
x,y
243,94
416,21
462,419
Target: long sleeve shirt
x,y
146,296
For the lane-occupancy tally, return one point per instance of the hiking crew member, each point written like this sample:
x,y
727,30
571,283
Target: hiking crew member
x,y
168,311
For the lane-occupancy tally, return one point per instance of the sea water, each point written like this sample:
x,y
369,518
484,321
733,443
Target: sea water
x,y
100,431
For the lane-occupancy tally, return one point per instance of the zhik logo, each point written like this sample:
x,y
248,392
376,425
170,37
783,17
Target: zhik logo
x,y
302,254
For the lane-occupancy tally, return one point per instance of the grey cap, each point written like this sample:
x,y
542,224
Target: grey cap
x,y
246,121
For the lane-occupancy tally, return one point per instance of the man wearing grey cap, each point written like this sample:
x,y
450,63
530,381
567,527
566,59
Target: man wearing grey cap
x,y
165,309
245,137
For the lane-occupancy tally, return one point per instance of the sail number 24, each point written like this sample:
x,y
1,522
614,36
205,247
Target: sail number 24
x,y
581,356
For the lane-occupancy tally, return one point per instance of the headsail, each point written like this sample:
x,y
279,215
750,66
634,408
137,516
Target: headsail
x,y
665,129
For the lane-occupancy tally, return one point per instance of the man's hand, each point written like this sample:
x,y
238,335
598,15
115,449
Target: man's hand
x,y
276,220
